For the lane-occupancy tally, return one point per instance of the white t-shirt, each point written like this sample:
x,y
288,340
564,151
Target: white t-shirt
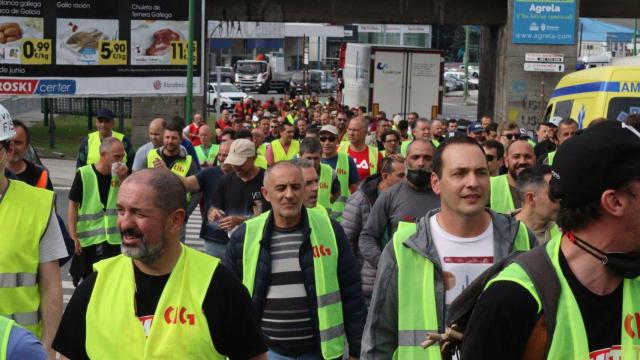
x,y
462,259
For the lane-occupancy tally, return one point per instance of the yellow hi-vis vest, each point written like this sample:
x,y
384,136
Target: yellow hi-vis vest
x,y
24,216
324,186
96,223
569,337
6,325
500,199
342,170
278,151
417,312
93,146
325,270
209,156
550,157
180,167
373,156
179,327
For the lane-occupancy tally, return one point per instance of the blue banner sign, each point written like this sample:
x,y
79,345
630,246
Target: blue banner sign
x,y
544,22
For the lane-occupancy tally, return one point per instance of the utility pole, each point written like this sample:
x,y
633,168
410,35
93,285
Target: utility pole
x,y
466,62
635,36
189,104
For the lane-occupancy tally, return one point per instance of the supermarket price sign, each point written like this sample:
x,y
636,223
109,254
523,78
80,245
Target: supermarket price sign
x,y
93,47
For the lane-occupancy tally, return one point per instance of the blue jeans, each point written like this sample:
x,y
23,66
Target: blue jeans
x,y
215,249
272,355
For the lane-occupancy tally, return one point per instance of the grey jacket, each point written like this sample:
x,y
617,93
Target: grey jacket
x,y
357,209
380,338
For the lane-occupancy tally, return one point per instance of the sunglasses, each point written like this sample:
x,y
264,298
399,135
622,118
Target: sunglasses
x,y
327,138
5,144
511,136
490,157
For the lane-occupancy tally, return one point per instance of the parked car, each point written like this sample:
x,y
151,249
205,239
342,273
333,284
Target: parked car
x,y
230,95
474,71
317,81
458,78
227,75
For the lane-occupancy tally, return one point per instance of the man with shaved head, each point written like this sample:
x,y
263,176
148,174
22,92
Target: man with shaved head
x,y
519,155
366,157
170,298
92,206
274,255
156,132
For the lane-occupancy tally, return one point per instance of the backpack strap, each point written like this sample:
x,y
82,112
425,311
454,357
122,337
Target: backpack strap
x,y
537,264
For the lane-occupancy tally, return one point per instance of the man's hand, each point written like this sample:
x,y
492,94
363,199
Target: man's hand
x,y
229,222
122,172
158,163
215,215
77,246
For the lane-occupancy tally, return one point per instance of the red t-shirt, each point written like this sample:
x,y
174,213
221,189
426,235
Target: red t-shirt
x,y
361,158
193,134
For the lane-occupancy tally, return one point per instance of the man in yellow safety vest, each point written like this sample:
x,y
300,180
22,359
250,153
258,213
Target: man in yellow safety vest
x,y
519,155
31,244
428,263
92,206
303,278
89,151
284,148
581,297
159,299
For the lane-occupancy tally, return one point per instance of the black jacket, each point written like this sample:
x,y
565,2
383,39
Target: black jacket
x,y
353,308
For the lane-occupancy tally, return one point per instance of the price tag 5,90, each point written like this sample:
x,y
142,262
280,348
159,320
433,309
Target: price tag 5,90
x,y
178,54
112,52
35,52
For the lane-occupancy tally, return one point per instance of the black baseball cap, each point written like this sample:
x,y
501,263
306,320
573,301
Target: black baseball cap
x,y
104,114
601,157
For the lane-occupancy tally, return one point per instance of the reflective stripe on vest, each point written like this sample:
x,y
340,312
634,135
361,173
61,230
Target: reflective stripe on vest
x,y
97,223
342,170
24,216
435,143
373,155
324,186
113,331
278,150
93,146
325,270
550,157
417,312
5,330
569,338
500,198
210,156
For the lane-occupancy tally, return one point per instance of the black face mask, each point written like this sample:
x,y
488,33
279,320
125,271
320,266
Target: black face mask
x,y
626,265
419,178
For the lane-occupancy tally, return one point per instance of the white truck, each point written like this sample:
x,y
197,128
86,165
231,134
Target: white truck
x,y
396,80
262,75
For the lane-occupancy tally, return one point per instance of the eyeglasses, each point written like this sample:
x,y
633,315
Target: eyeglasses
x,y
490,157
5,144
511,136
327,138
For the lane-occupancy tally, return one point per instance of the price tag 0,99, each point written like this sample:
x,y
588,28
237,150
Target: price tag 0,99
x,y
178,54
35,52
112,52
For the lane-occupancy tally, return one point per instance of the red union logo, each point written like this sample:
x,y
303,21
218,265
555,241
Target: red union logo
x,y
319,251
173,315
628,325
19,87
157,84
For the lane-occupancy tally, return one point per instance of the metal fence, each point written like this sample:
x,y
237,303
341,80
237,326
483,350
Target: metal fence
x,y
121,107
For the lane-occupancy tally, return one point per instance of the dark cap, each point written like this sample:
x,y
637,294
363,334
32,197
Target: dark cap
x,y
602,157
104,114
475,127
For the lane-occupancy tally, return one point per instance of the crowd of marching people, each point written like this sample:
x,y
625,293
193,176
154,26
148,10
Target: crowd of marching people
x,y
330,233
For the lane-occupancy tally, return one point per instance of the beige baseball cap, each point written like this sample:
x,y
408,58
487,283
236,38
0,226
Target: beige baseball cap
x,y
330,129
241,150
